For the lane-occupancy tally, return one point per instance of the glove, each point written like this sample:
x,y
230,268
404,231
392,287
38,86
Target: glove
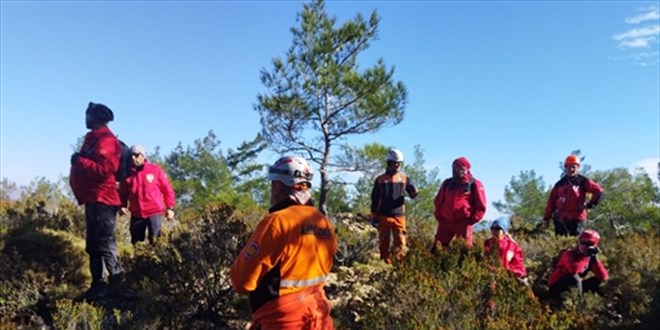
x,y
546,223
593,252
374,222
74,158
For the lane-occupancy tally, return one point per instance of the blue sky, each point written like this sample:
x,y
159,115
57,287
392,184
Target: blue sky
x,y
510,85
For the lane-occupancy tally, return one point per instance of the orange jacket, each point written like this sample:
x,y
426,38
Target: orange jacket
x,y
290,250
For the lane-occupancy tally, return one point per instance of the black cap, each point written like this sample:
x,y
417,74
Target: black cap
x,y
100,112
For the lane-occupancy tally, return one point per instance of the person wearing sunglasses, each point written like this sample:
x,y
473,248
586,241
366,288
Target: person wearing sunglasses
x,y
509,254
573,265
147,194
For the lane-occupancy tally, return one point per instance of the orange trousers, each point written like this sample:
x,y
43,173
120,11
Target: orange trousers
x,y
394,226
306,309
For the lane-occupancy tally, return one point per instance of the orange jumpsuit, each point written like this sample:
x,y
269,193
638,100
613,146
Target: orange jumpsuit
x,y
283,268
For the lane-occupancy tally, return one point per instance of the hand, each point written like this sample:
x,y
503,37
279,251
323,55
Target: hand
x,y
169,215
74,158
123,211
592,251
546,223
523,281
374,221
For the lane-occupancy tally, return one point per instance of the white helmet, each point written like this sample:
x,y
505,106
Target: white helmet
x,y
291,170
394,155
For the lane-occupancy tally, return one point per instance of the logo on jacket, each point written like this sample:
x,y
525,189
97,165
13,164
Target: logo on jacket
x,y
509,255
251,250
150,178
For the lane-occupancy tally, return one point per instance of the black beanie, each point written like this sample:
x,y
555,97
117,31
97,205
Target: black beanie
x,y
100,112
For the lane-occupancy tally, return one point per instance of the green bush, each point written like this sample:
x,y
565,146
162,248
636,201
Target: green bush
x,y
184,282
71,315
59,255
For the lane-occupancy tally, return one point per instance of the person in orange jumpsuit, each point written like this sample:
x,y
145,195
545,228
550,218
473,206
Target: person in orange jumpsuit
x,y
286,260
388,206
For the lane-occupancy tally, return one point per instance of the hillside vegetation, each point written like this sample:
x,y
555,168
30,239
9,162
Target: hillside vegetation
x,y
182,281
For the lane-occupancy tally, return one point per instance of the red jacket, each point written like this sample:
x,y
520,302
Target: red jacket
x,y
461,201
511,255
568,198
573,262
92,176
147,191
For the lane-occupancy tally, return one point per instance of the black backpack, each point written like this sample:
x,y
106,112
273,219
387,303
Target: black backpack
x,y
125,161
451,185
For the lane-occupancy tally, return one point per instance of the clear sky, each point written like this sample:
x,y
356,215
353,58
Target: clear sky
x,y
510,85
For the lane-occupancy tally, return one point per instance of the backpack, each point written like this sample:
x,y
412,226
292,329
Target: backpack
x,y
125,162
125,159
451,185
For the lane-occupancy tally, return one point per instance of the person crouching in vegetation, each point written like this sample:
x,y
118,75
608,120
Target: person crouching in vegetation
x,y
285,262
511,255
148,194
388,206
572,265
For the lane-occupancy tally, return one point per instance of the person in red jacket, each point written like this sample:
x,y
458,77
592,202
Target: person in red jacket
x,y
288,257
510,254
92,180
459,204
388,206
567,204
572,266
148,194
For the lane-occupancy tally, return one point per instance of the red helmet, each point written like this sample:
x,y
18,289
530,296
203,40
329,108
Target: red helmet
x,y
572,160
589,235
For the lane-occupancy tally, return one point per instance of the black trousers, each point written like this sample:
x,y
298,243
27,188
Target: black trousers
x,y
101,244
592,284
569,227
140,225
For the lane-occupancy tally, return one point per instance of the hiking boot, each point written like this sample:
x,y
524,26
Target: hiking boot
x,y
95,292
122,292
118,288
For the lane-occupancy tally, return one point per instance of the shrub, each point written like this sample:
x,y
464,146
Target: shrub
x,y
71,315
59,255
185,282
